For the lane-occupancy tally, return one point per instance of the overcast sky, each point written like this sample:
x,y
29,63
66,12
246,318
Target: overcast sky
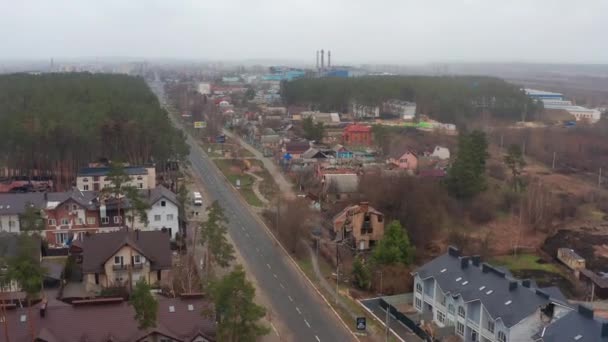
x,y
357,31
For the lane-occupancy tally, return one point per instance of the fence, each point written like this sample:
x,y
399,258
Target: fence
x,y
405,320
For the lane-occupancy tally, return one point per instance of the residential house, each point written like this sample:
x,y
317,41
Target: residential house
x,y
68,214
325,118
9,248
482,303
95,178
403,109
314,153
361,111
342,152
597,283
178,320
405,161
123,257
577,326
296,148
360,224
163,212
340,186
440,152
12,206
357,135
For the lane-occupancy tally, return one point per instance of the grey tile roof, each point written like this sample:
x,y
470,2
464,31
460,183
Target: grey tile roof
x,y
87,199
14,204
524,301
153,195
102,171
573,325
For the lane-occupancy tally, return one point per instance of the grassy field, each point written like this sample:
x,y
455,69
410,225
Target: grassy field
x,y
524,262
227,166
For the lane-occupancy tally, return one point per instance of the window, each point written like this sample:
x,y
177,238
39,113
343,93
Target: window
x,y
65,221
418,287
461,311
91,220
156,217
117,219
80,221
169,217
140,185
140,177
460,329
163,203
442,300
85,187
61,238
441,317
105,220
74,207
118,260
67,207
11,224
380,218
96,278
158,273
451,309
52,222
137,259
418,303
490,326
502,337
85,180
95,178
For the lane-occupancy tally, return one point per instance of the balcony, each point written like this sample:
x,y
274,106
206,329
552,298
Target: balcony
x,y
124,267
472,323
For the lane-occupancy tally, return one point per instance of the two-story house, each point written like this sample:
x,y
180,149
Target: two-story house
x,y
361,224
407,160
68,214
483,303
163,212
123,257
12,206
95,178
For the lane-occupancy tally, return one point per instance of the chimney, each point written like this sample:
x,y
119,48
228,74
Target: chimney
x,y
317,59
328,59
322,59
512,285
526,283
453,251
542,294
464,262
604,329
485,268
586,312
476,260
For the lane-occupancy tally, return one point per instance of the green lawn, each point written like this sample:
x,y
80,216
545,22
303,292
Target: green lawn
x,y
523,262
250,197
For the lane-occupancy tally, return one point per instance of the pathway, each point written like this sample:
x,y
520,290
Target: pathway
x,y
284,185
256,187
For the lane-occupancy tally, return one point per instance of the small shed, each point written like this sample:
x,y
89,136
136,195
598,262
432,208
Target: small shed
x,y
571,259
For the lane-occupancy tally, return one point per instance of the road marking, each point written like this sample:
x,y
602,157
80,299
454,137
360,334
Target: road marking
x,y
307,324
269,266
247,234
298,310
275,329
290,299
257,250
243,228
283,287
274,275
318,339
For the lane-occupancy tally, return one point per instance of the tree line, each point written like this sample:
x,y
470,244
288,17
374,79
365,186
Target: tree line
x,y
455,100
53,124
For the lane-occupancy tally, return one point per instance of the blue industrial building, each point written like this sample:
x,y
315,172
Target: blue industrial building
x,y
543,95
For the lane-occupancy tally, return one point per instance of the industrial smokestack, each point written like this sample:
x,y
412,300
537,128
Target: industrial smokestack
x,y
317,59
322,59
328,59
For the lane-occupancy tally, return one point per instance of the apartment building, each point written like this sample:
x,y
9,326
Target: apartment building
x,y
485,304
95,178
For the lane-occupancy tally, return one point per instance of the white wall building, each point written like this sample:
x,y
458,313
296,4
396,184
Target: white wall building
x,y
95,178
404,109
163,212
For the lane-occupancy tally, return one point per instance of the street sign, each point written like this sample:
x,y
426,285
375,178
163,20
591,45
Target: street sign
x,y
200,124
361,323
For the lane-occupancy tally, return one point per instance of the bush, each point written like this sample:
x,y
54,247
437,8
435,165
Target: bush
x,y
497,171
483,208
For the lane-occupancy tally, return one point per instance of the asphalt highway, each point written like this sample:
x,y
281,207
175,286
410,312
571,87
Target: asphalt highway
x,y
300,308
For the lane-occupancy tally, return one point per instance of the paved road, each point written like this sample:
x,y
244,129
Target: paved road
x,y
305,313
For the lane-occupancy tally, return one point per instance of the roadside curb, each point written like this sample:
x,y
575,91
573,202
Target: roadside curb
x,y
277,242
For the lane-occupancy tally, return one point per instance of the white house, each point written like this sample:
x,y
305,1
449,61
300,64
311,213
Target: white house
x,y
163,212
12,206
441,152
95,178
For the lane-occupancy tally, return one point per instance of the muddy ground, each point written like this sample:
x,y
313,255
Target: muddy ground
x,y
589,242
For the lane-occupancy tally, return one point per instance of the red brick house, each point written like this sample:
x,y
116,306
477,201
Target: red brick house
x,y
68,214
357,135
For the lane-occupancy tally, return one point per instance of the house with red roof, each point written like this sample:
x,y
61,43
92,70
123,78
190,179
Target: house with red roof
x,y
357,134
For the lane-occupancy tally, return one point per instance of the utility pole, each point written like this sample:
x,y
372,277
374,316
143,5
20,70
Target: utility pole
x,y
553,164
502,137
599,179
337,273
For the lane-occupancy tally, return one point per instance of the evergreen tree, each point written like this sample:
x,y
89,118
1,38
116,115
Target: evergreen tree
x,y
31,220
144,304
236,312
362,274
395,246
514,159
466,176
213,236
313,131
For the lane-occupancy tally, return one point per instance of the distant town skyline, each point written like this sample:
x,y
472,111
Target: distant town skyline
x,y
386,31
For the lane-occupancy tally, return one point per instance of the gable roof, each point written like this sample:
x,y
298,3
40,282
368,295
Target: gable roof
x,y
357,128
154,195
15,204
114,322
86,199
313,153
98,248
575,324
297,146
102,171
524,301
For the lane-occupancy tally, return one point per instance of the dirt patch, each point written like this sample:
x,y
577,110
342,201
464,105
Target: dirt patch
x,y
590,243
545,279
503,235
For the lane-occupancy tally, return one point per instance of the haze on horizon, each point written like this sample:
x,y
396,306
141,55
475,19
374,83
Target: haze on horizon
x,y
356,31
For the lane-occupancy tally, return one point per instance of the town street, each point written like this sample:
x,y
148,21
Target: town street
x,y
304,312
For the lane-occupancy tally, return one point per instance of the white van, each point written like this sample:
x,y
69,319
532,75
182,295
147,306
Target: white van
x,y
197,198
